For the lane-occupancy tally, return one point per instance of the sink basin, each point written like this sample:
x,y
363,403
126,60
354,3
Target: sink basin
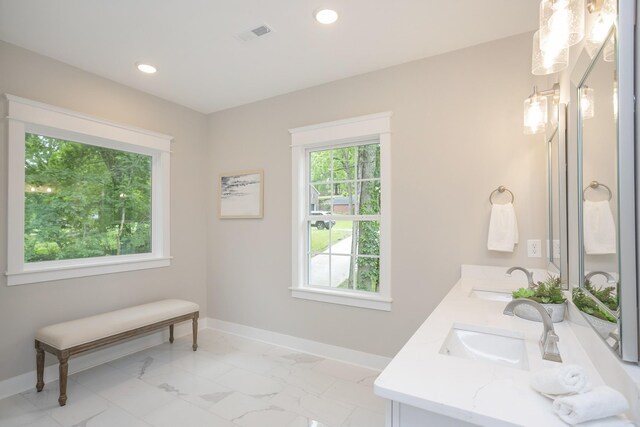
x,y
497,346
491,295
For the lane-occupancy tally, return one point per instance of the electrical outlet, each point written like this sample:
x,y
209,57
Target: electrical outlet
x,y
534,249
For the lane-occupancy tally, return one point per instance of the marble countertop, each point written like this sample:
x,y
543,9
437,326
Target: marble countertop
x,y
476,391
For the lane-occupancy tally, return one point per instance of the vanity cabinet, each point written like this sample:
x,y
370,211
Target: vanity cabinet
x,y
403,415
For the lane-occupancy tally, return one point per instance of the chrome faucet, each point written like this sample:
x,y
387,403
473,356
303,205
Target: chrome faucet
x,y
525,271
549,339
609,277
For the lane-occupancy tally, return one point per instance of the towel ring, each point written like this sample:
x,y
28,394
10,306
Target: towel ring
x,y
500,190
594,185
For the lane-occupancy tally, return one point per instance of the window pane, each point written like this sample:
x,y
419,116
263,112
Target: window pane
x,y
320,166
318,236
84,201
344,166
367,276
319,270
368,161
341,267
368,198
344,198
320,199
341,237
368,237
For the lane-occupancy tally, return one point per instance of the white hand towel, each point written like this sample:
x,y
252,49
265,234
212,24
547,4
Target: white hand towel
x,y
599,228
503,228
568,379
601,402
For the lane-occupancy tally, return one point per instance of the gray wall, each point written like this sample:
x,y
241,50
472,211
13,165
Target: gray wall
x,y
25,308
457,135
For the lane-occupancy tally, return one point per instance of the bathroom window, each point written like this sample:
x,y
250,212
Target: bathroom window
x,y
86,197
340,204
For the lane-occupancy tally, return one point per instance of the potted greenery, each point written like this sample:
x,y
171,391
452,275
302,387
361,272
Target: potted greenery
x,y
603,322
549,294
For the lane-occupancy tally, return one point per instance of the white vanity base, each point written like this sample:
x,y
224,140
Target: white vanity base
x,y
402,415
427,387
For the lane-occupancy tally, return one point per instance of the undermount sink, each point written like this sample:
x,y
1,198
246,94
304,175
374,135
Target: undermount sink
x,y
491,295
502,347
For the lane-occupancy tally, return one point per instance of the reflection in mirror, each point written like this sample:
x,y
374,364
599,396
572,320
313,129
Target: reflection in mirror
x,y
597,296
556,192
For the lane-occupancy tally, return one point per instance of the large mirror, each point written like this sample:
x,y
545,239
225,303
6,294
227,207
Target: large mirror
x,y
556,193
606,262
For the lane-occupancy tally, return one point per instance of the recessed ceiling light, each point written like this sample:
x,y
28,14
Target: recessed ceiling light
x,y
326,16
146,68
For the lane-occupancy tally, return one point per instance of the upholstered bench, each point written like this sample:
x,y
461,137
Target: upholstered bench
x,y
77,336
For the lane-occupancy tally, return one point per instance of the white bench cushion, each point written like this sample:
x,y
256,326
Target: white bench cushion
x,y
75,332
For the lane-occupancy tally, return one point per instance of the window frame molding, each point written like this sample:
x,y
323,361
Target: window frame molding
x,y
331,134
27,116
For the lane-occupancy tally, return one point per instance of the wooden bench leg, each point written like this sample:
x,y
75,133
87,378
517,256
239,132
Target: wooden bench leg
x,y
63,358
195,332
171,334
39,367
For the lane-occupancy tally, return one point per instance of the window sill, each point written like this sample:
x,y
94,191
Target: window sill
x,y
373,302
82,268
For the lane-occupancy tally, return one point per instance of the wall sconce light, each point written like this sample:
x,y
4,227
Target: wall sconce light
x,y
607,11
587,104
561,23
547,62
536,111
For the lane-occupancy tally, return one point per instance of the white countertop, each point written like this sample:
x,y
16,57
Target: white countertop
x,y
478,391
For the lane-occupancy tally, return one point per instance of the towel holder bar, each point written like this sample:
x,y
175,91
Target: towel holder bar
x,y
501,190
594,185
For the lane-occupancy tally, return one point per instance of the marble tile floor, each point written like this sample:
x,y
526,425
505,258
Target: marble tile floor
x,y
229,382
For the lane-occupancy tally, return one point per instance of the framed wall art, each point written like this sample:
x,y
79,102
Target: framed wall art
x,y
241,194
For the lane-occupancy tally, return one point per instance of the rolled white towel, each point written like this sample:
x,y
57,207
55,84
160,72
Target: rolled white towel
x,y
601,402
568,379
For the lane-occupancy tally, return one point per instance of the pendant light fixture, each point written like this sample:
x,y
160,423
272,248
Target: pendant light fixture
x,y
547,62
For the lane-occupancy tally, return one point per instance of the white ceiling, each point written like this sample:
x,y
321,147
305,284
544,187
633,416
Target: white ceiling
x,y
201,64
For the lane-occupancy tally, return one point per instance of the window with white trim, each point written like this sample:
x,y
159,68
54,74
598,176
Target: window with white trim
x,y
86,196
341,199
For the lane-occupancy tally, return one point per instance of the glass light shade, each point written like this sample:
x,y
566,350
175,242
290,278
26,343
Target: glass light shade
x,y
587,104
601,26
561,24
549,62
609,53
535,114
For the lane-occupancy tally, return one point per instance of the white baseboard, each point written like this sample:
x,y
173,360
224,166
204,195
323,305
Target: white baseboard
x,y
354,357
27,381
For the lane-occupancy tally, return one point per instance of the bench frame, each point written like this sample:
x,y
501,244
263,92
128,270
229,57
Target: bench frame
x,y
64,354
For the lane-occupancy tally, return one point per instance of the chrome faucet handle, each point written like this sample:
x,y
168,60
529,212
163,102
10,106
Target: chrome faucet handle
x,y
549,339
549,347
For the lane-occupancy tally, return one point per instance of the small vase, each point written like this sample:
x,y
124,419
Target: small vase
x,y
556,311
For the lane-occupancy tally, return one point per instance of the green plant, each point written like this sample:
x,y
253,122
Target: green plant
x,y
607,296
547,292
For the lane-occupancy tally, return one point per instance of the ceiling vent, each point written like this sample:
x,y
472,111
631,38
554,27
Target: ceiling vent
x,y
254,33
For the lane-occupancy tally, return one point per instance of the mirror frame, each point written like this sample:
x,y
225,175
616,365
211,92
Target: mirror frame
x,y
561,132
628,260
